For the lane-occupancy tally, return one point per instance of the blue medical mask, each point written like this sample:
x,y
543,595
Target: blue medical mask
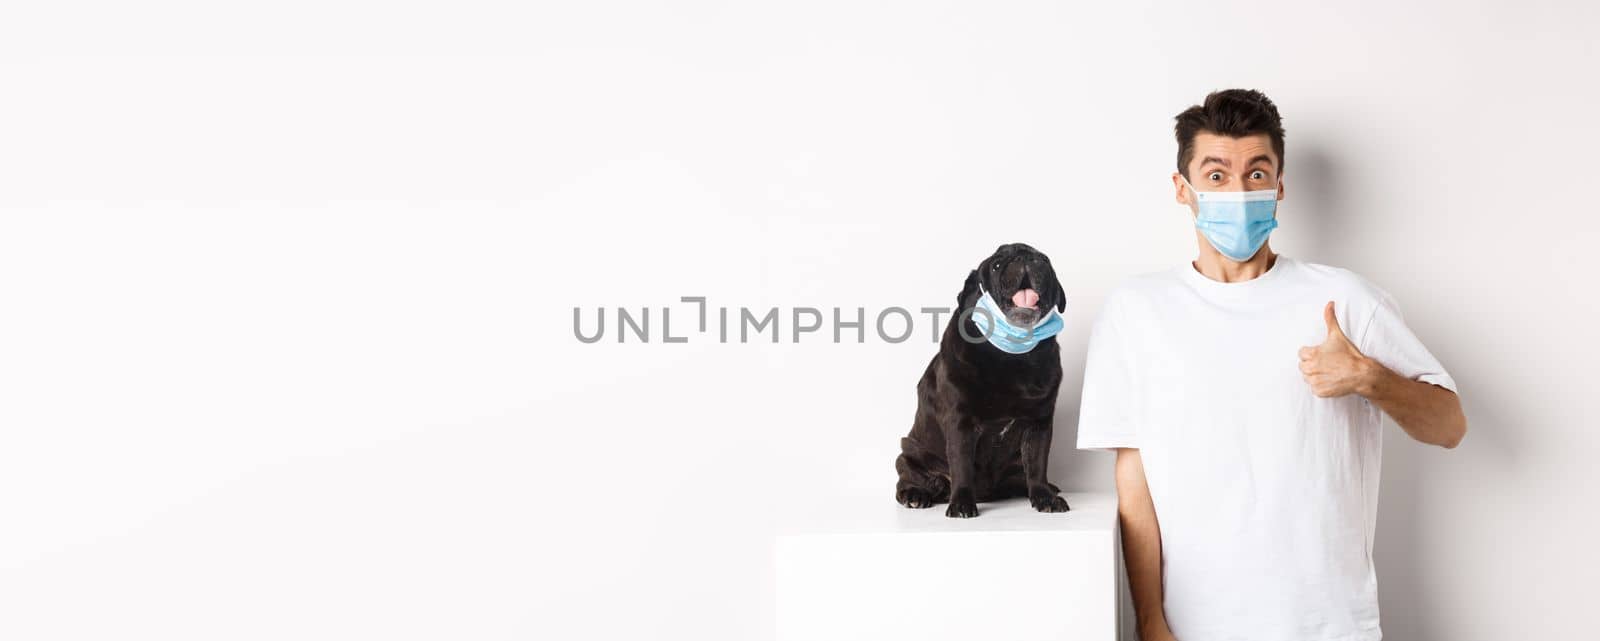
x,y
1010,338
1237,223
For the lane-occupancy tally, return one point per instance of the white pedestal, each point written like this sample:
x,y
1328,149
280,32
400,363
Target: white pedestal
x,y
881,572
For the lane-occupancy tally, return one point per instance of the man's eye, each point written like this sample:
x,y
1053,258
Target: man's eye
x,y
1258,175
1215,176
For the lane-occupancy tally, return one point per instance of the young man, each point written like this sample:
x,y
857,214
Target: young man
x,y
1241,392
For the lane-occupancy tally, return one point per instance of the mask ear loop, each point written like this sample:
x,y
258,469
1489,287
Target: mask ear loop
x,y
1194,216
978,308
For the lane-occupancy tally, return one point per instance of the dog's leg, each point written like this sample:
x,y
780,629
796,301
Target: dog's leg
x,y
917,487
959,443
1035,460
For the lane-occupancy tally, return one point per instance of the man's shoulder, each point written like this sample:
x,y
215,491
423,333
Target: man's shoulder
x,y
1142,291
1148,283
1341,282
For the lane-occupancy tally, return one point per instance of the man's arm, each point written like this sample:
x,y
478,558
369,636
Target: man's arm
x,y
1427,412
1141,545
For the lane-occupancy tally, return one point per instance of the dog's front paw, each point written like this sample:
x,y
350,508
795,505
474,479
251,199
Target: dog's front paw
x,y
1048,503
962,506
914,498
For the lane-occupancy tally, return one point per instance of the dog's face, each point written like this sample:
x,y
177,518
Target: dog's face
x,y
1022,283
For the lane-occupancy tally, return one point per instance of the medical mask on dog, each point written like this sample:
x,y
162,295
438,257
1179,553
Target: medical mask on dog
x,y
1237,223
1010,338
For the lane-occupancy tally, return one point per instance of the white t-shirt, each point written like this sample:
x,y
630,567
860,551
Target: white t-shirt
x,y
1266,495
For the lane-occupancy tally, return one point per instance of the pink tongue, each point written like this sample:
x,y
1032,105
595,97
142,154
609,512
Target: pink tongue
x,y
1025,298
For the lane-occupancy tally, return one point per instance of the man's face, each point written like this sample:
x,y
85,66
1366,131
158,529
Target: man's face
x,y
1221,163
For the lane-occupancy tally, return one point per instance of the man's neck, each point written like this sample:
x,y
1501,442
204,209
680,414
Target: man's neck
x,y
1214,266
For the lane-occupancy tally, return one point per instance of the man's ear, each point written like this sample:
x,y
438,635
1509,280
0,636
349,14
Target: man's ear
x,y
969,289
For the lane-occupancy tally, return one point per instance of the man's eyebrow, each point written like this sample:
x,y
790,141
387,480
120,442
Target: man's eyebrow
x,y
1261,158
1220,161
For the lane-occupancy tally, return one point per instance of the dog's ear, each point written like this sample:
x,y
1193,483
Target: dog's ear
x,y
1059,294
969,289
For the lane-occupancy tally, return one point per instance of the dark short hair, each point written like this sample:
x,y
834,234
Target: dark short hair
x,y
1234,113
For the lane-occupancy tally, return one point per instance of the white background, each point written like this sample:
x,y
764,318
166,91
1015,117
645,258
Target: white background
x,y
286,288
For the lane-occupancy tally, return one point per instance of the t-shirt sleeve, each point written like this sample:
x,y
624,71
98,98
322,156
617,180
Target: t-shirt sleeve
x,y
1388,341
1105,414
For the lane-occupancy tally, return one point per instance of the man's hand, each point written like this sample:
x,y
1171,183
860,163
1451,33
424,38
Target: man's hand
x,y
1156,633
1336,368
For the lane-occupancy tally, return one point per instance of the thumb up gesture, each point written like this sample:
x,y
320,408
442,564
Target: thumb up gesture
x,y
1335,368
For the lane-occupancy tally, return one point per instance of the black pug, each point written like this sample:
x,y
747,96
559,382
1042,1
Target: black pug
x,y
985,416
